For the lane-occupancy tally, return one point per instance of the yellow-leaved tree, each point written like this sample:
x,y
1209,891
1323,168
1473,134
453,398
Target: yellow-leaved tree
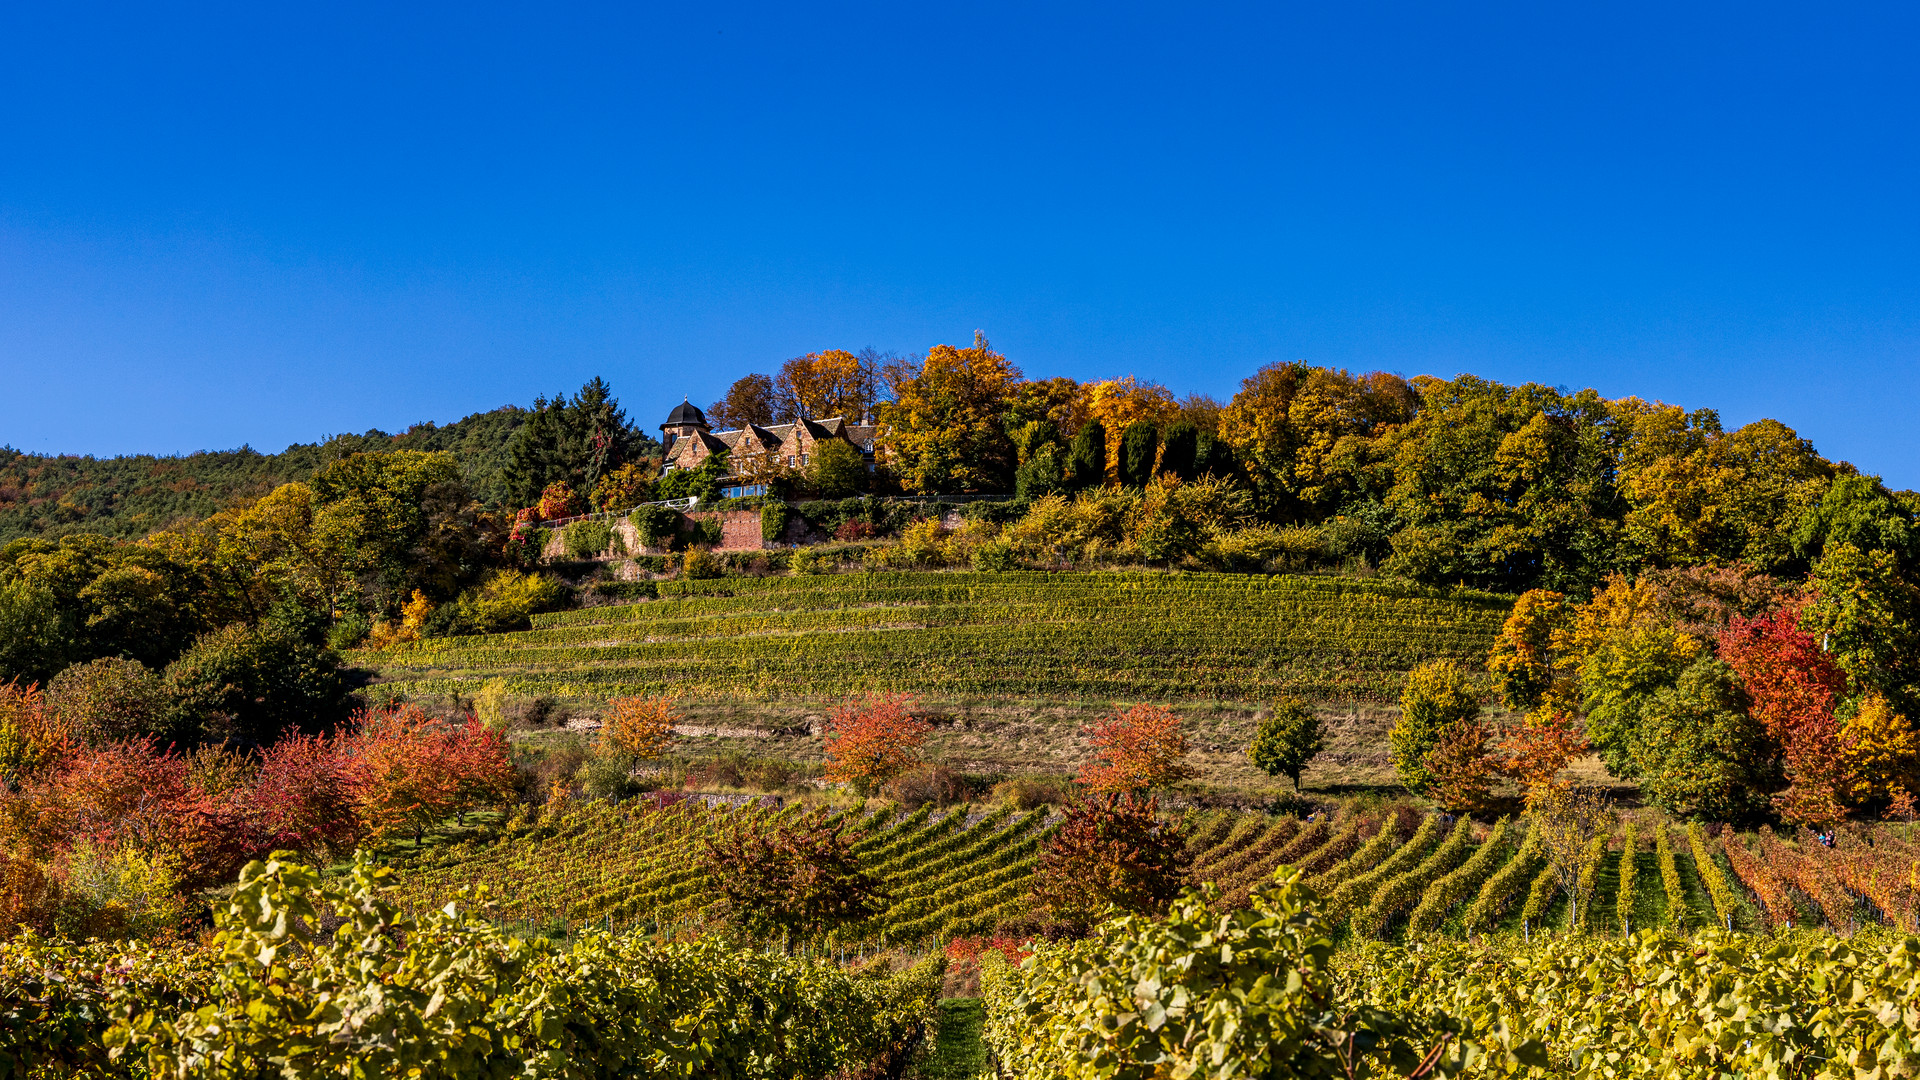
x,y
942,431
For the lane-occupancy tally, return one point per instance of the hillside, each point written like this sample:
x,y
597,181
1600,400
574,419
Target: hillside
x,y
129,497
1094,636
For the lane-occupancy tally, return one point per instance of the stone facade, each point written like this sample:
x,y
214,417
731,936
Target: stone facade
x,y
739,531
689,441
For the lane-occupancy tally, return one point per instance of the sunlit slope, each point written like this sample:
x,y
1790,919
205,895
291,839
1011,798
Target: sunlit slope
x,y
1016,635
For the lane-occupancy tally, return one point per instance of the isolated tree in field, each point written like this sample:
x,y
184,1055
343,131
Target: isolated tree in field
x,y
793,879
1461,768
408,770
1138,750
1287,740
638,727
1571,823
873,739
1112,849
1438,695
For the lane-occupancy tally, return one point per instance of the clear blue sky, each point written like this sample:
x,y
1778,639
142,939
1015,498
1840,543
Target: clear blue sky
x,y
269,222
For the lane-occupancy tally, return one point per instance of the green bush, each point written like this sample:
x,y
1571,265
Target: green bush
x,y
111,699
251,683
506,600
995,556
773,521
700,564
592,539
656,526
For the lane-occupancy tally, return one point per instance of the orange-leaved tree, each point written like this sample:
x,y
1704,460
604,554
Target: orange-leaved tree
x,y
1535,753
1461,768
640,727
408,770
873,739
1140,749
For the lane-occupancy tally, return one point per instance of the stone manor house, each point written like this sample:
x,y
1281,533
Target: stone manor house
x,y
689,440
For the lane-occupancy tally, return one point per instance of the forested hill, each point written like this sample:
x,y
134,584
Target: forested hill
x,y
129,497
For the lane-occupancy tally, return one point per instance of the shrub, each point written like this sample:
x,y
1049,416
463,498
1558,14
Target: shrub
x,y
506,600
1437,696
655,526
1140,749
110,699
1112,850
795,878
1287,740
250,683
995,555
773,520
928,784
836,470
640,728
591,539
611,776
871,740
701,565
1030,792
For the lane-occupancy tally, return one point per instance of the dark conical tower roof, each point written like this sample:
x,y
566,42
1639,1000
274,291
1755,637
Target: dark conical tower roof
x,y
685,413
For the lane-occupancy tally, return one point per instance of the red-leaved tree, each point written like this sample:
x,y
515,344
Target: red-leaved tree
x,y
407,770
1793,686
303,796
873,739
1138,750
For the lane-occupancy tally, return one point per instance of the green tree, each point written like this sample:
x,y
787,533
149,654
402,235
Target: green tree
x,y
1858,510
1620,676
1697,752
1287,740
251,683
1867,615
836,470
1180,445
1139,446
1087,462
1438,695
573,442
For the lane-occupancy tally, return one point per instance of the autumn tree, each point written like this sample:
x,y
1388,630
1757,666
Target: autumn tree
x,y
750,400
1794,688
871,740
303,798
1535,753
1571,823
638,727
793,879
1112,850
1437,696
1527,656
407,770
1139,750
826,384
1287,740
1119,404
943,429
1462,768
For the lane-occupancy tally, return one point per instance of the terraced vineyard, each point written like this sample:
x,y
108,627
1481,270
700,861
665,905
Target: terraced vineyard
x,y
1384,875
1089,635
946,874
